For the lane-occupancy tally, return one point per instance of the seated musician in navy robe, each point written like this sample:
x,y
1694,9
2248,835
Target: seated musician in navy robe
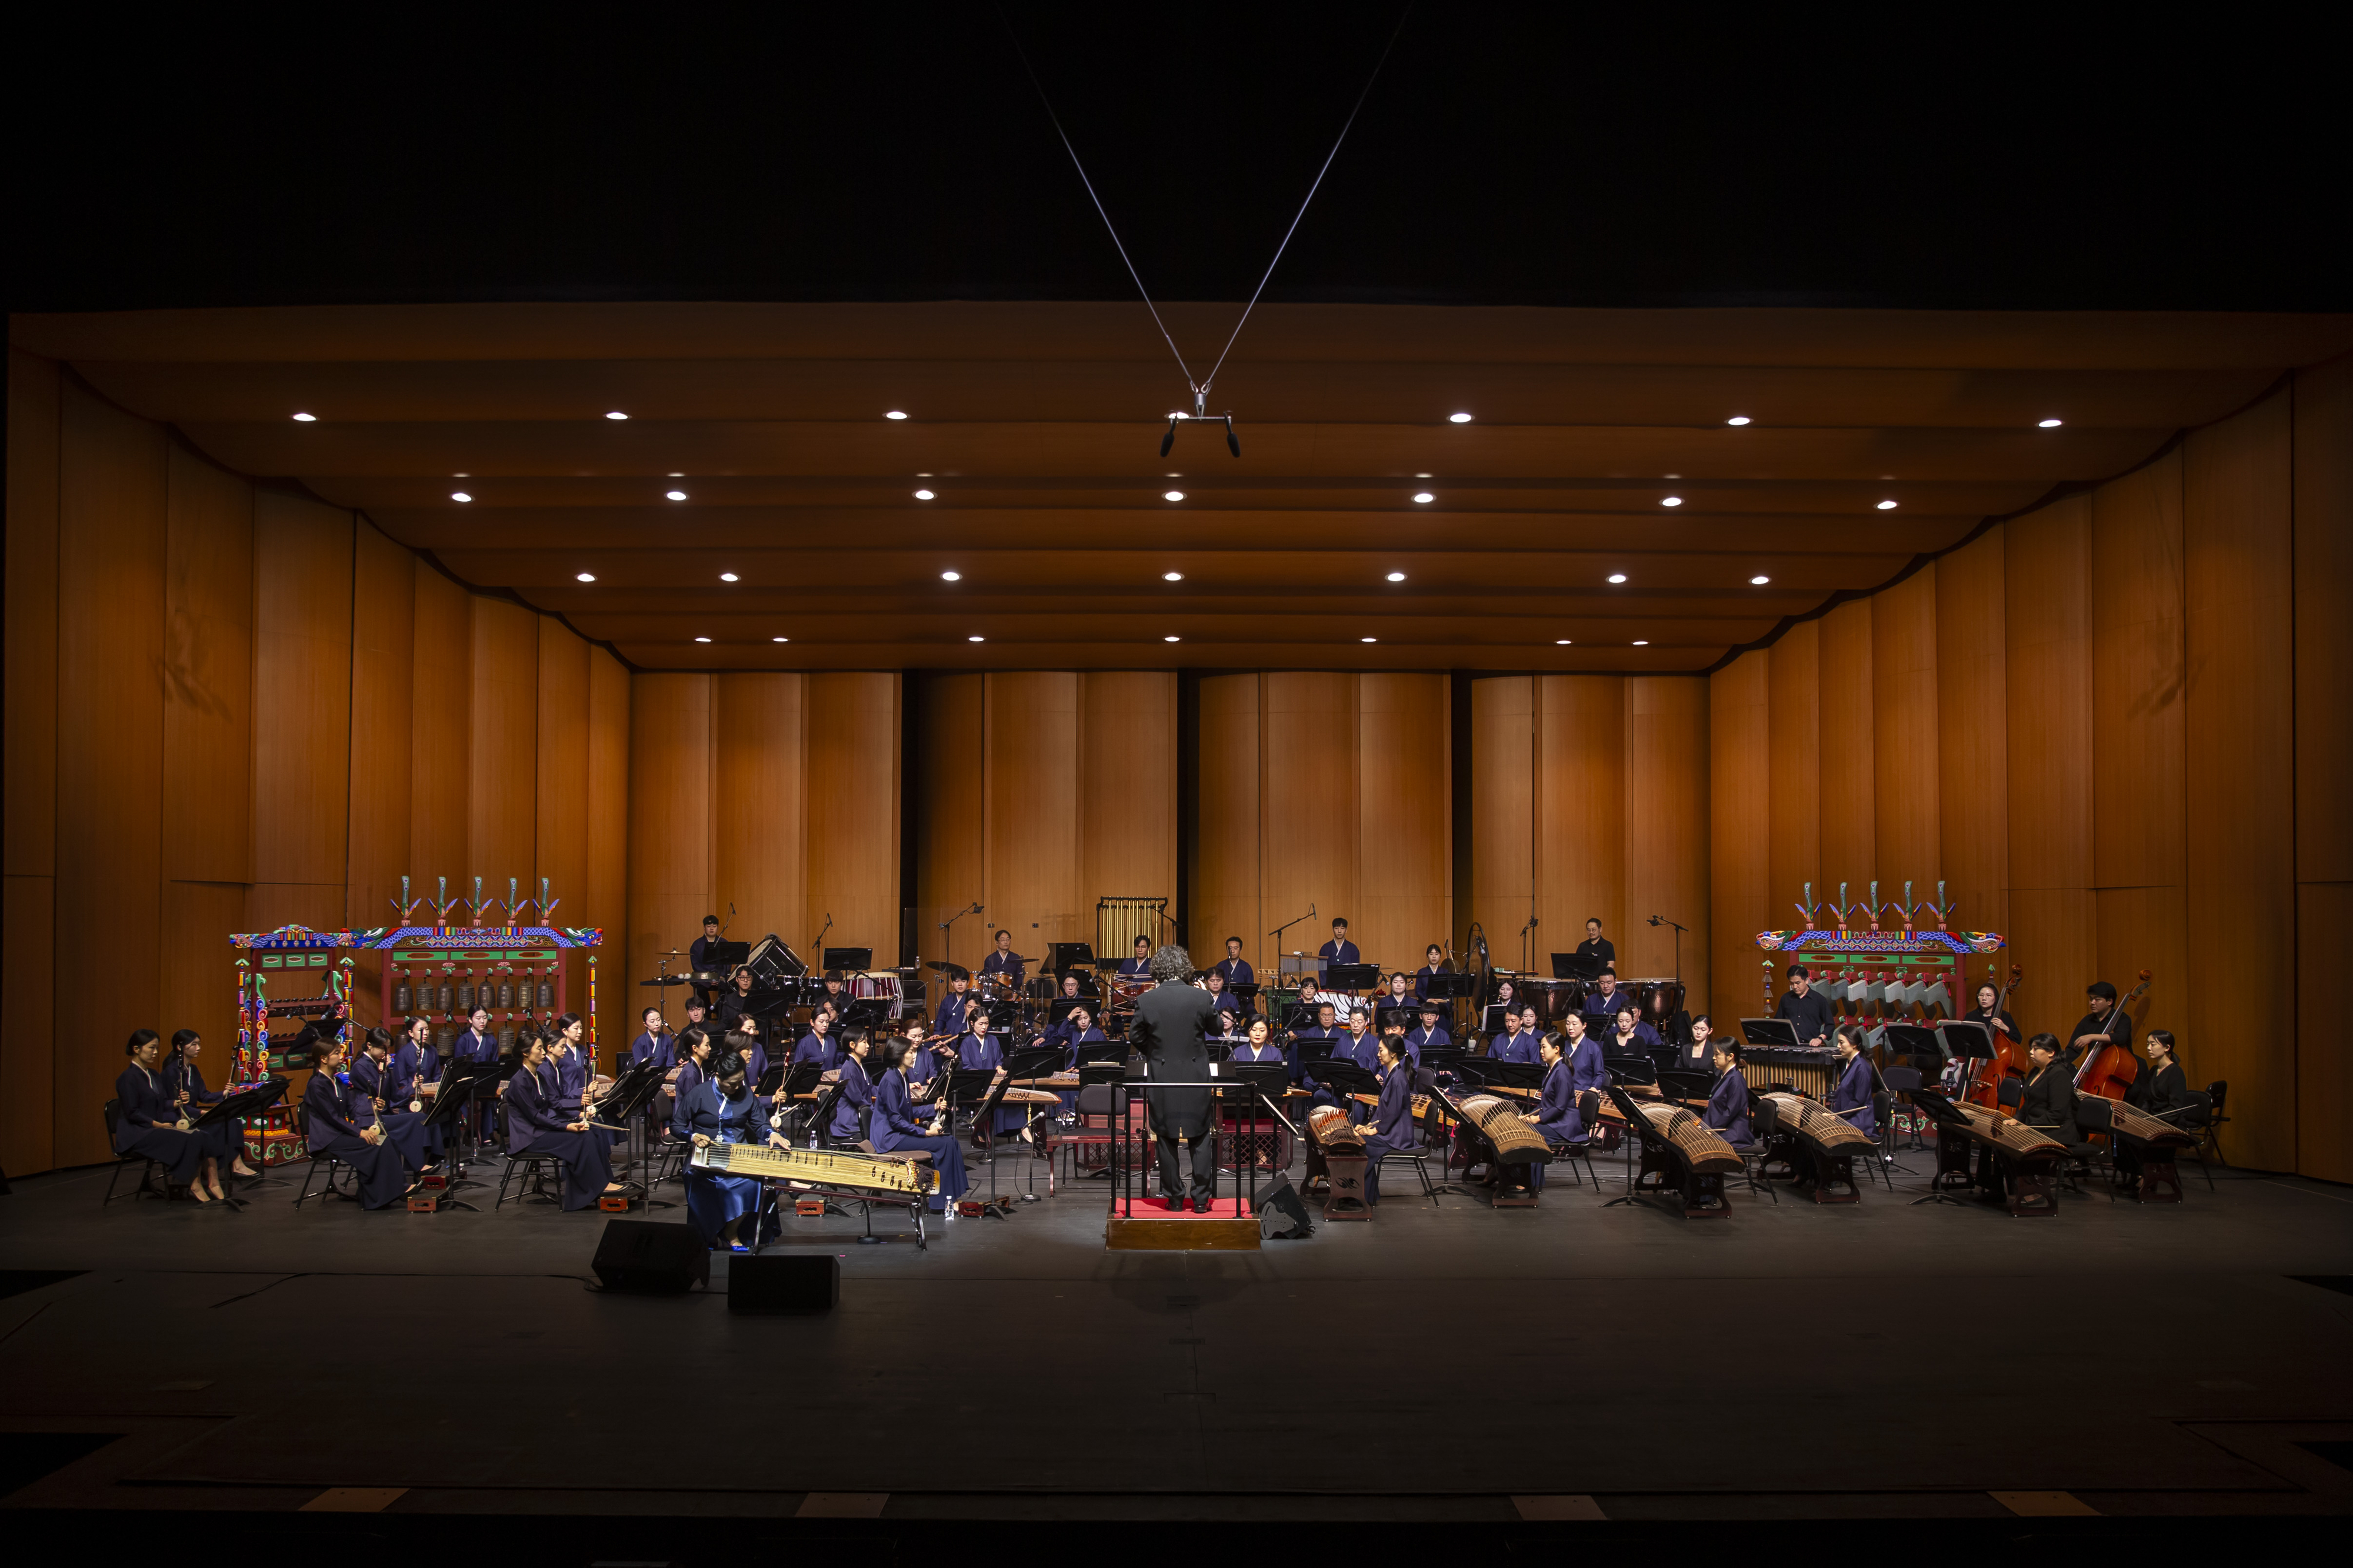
x,y
1727,1107
1555,1114
1391,1123
1850,1096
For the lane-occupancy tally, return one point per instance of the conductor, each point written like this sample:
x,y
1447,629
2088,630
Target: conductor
x,y
1172,1020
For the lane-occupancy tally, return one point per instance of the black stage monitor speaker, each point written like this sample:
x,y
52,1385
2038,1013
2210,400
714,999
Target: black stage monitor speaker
x,y
654,1258
784,1283
1282,1212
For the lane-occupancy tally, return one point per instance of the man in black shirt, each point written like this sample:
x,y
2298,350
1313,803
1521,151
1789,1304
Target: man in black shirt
x,y
1597,947
1807,1010
701,954
2102,1025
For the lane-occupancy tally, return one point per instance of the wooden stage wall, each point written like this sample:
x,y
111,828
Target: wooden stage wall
x,y
776,795
2115,727
230,707
1035,792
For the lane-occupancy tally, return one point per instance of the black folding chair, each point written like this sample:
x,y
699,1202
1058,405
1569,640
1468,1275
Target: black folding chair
x,y
114,1111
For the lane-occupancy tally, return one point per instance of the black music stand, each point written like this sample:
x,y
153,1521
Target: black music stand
x,y
234,1105
1351,976
1940,1111
847,958
451,1113
1102,1052
1572,966
631,1100
1062,957
1771,1032
465,1084
1637,1126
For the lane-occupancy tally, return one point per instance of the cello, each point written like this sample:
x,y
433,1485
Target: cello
x,y
2108,1069
2009,1058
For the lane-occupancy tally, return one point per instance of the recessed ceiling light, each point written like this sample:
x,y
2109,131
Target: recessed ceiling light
x,y
973,639
951,577
1560,642
1172,577
1367,639
1737,419
923,495
312,418
1168,639
460,495
675,495
461,476
1640,642
703,639
893,413
1458,419
1887,506
1671,501
673,476
2046,424
728,577
1423,497
1172,495
1397,577
1759,581
584,576
780,639
616,414
1617,576
1425,475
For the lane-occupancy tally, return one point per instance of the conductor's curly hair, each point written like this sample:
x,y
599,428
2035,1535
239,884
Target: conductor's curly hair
x,y
1172,963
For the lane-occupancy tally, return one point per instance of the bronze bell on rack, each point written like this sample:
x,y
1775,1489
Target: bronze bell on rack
x,y
401,993
506,991
465,995
546,994
449,997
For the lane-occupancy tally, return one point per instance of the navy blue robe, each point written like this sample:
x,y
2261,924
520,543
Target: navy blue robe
x,y
146,1112
1237,971
1391,1129
332,1119
471,1046
414,1067
898,1125
1852,1093
536,1125
712,1199
1510,1048
822,1049
949,1017
978,1052
1727,1108
1006,963
690,1073
857,1094
1421,979
1558,1117
659,1049
1342,951
403,1129
1418,1040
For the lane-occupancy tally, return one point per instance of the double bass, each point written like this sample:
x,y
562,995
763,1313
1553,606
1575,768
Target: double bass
x,y
2009,1058
2108,1069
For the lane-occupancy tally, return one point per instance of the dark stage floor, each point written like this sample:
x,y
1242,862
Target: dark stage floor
x,y
1537,1369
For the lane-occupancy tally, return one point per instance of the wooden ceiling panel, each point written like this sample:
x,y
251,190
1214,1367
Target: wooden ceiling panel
x,y
1202,531
950,392
652,449
1036,426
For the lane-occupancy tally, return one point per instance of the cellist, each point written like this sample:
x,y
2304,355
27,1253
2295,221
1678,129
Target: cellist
x,y
2102,1026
